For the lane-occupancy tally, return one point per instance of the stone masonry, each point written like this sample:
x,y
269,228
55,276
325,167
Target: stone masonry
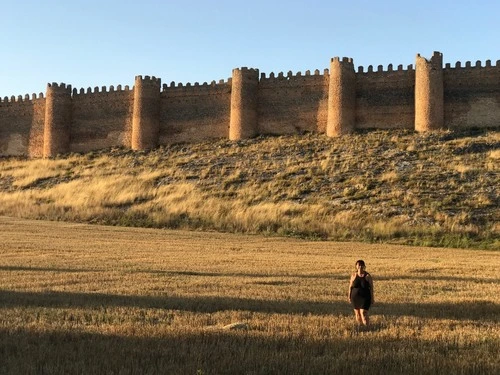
x,y
337,102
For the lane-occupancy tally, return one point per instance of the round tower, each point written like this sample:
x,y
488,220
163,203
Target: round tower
x,y
56,133
429,93
146,115
341,98
244,89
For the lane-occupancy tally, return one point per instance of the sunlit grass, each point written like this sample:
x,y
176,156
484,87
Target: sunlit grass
x,y
436,189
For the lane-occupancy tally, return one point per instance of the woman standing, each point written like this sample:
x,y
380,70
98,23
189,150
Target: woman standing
x,y
361,293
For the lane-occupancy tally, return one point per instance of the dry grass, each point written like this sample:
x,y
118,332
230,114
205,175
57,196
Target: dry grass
x,y
437,189
495,154
105,300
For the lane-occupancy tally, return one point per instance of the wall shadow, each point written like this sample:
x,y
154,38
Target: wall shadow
x,y
245,274
200,304
180,273
434,278
480,311
45,269
326,276
225,352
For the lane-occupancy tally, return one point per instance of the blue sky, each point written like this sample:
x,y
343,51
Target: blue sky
x,y
101,43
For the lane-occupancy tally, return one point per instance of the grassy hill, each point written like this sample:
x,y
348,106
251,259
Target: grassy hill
x,y
438,189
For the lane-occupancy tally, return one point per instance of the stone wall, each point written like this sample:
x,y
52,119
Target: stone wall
x,y
335,102
102,118
472,95
22,125
290,104
385,98
194,113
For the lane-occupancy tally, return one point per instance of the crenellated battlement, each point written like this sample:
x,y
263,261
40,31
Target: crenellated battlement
x,y
468,65
148,79
101,90
196,89
22,99
281,76
390,69
245,70
477,76
59,86
424,96
204,85
343,60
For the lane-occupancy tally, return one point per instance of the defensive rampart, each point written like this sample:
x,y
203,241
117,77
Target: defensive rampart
x,y
335,102
193,113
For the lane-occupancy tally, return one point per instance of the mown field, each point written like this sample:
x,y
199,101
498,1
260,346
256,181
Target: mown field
x,y
433,189
82,299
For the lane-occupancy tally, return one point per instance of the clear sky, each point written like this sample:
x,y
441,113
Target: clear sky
x,y
88,43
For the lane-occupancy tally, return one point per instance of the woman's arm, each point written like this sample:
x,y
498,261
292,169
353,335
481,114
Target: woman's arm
x,y
353,276
370,281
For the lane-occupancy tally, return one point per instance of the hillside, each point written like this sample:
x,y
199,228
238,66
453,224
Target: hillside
x,y
438,189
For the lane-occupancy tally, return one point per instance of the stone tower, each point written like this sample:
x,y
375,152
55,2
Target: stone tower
x,y
429,93
243,123
146,115
56,133
341,98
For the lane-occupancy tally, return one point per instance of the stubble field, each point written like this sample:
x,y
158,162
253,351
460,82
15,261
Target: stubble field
x,y
81,299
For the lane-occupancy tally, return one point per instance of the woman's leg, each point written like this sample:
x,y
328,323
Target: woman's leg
x,y
364,317
359,319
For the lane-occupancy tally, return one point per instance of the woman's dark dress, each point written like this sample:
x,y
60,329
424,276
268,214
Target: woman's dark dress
x,y
361,296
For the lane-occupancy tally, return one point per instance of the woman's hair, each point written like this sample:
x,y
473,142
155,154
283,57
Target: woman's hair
x,y
361,263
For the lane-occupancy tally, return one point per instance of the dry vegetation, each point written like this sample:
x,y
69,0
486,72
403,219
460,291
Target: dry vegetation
x,y
80,299
394,186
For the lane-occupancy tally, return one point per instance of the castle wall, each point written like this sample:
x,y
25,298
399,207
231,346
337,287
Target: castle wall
x,y
22,125
194,113
336,102
385,98
292,104
101,119
472,95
